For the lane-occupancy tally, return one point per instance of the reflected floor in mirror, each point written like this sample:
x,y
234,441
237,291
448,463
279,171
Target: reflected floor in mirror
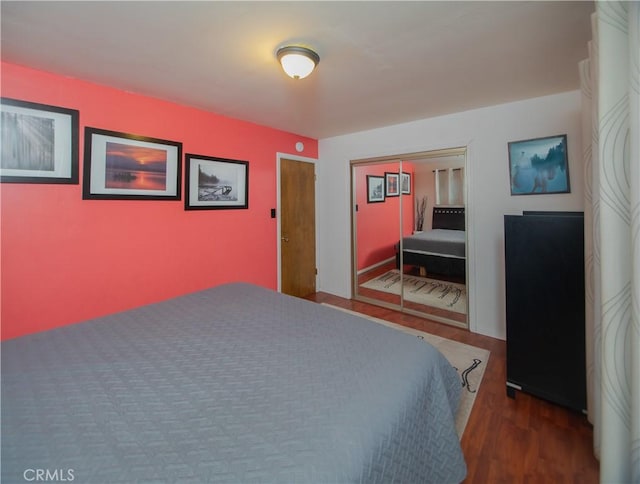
x,y
385,275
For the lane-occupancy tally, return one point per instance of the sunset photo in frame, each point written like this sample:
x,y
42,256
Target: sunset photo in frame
x,y
39,143
391,184
539,166
122,166
215,183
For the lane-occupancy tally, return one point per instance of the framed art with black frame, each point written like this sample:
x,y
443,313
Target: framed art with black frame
x,y
391,184
213,183
405,183
539,166
123,166
375,189
39,143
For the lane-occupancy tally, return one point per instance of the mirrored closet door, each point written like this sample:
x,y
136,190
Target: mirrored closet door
x,y
408,233
376,189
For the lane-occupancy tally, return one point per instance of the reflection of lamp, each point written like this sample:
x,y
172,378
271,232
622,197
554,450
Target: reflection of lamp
x,y
298,62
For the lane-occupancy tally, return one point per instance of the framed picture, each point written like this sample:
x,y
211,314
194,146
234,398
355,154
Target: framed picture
x,y
539,166
122,166
405,183
375,189
391,184
39,143
215,183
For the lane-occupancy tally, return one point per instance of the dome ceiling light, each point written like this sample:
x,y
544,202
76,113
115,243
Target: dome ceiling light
x,y
298,62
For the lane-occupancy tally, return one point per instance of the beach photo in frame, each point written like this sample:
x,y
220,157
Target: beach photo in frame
x,y
391,184
39,143
123,166
375,189
405,183
213,183
539,166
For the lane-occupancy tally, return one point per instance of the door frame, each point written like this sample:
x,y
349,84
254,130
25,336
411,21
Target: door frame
x,y
314,161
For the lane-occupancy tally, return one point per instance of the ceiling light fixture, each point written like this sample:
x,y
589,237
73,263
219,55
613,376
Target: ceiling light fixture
x,y
298,62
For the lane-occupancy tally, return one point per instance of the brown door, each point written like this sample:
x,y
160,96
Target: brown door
x,y
297,228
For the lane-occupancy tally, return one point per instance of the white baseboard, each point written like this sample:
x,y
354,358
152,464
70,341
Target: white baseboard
x,y
378,264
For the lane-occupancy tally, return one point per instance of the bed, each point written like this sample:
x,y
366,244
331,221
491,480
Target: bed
x,y
235,383
440,250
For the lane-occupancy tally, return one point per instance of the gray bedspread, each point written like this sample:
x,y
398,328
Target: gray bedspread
x,y
441,242
232,384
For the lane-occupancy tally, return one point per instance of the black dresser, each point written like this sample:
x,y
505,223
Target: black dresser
x,y
544,271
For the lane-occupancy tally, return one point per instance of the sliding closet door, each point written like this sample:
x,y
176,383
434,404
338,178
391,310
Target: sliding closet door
x,y
393,201
376,213
434,275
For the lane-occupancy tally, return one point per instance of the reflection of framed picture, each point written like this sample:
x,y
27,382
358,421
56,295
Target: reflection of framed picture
x,y
405,183
39,143
538,166
130,167
375,189
391,184
215,183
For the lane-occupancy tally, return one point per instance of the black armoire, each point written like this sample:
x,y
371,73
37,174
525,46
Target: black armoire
x,y
544,272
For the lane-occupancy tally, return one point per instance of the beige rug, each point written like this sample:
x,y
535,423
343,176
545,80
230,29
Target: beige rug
x,y
469,361
422,290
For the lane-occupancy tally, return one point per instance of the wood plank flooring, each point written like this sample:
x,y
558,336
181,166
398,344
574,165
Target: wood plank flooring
x,y
521,440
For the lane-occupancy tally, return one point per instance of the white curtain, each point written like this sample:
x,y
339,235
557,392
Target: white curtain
x,y
449,183
456,185
611,154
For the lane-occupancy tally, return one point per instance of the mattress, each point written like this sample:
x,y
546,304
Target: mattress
x,y
439,242
231,384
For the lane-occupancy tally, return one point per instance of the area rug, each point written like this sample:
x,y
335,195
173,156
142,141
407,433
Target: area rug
x,y
469,361
422,290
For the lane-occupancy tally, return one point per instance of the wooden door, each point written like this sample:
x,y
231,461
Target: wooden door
x,y
297,228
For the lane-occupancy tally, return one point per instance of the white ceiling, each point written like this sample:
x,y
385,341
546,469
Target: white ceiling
x,y
382,63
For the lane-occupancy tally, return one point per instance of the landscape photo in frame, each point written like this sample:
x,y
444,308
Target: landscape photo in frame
x,y
539,166
39,143
216,183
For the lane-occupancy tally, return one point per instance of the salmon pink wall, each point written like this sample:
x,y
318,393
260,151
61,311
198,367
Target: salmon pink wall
x,y
378,223
64,259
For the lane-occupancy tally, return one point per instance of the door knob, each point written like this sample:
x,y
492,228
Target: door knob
x,y
285,239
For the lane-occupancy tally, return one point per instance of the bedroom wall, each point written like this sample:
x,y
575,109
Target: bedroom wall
x,y
425,184
378,223
486,133
64,259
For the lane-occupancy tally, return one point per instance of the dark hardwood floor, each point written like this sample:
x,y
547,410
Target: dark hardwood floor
x,y
521,440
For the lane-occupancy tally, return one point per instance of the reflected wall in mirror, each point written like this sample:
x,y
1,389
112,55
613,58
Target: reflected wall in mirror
x,y
376,230
409,252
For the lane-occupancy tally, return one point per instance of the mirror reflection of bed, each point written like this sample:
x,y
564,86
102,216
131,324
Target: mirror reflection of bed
x,y
431,254
438,254
433,262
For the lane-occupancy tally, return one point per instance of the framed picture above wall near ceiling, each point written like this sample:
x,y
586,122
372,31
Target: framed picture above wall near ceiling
x,y
39,143
215,183
122,166
539,166
375,189
391,184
